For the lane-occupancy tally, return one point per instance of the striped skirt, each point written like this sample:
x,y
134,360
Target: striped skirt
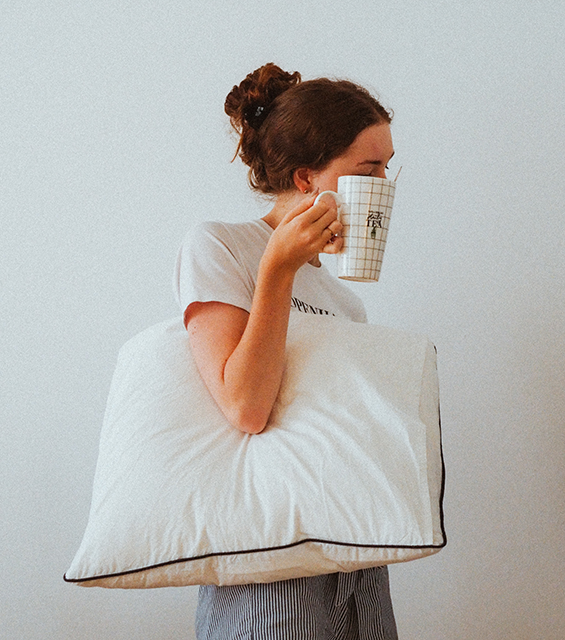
x,y
339,606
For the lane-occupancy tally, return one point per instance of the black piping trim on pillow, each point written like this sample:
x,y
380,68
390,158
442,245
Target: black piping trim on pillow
x,y
267,549
442,490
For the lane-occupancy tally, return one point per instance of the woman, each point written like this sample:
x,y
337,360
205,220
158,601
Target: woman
x,y
237,284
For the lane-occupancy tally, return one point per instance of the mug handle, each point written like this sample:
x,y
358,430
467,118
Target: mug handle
x,y
336,196
338,199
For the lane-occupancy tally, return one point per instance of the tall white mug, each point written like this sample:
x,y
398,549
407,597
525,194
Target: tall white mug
x,y
364,208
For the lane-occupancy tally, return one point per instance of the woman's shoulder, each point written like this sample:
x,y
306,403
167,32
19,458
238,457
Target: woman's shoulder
x,y
226,243
237,238
222,229
219,261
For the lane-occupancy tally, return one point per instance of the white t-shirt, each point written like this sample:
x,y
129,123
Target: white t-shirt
x,y
219,262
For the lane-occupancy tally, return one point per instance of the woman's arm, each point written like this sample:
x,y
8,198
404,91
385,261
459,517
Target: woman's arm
x,y
241,355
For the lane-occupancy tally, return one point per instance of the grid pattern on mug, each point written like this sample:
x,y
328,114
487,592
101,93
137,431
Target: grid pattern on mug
x,y
362,264
365,254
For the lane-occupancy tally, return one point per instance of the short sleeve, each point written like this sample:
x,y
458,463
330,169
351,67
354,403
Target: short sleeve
x,y
209,269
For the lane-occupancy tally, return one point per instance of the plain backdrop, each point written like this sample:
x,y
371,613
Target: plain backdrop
x,y
114,142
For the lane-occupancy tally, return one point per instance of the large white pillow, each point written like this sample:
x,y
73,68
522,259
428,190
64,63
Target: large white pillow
x,y
347,475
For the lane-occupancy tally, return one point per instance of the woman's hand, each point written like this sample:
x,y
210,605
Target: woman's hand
x,y
303,233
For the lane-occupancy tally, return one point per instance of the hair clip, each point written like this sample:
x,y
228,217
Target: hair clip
x,y
255,115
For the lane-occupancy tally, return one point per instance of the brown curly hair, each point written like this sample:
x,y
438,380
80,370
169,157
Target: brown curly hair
x,y
285,124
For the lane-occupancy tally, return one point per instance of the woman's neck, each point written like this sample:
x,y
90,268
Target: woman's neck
x,y
284,203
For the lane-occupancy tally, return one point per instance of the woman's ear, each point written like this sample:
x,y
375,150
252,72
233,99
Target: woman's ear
x,y
303,180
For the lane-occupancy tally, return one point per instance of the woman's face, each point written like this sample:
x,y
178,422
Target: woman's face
x,y
368,155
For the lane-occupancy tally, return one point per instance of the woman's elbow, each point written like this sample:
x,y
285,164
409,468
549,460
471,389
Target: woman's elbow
x,y
250,421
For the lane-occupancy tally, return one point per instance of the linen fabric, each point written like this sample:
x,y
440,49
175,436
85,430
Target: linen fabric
x,y
347,475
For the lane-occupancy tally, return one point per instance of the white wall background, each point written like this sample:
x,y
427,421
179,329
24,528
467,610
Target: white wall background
x,y
113,141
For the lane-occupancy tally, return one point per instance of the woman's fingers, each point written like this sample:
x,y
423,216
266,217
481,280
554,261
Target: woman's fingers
x,y
322,212
335,227
311,228
324,225
321,216
334,243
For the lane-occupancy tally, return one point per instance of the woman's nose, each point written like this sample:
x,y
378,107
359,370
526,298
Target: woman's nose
x,y
381,173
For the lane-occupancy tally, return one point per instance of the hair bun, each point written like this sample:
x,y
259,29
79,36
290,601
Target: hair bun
x,y
249,102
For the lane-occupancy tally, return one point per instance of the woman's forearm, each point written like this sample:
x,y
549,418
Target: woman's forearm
x,y
252,374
